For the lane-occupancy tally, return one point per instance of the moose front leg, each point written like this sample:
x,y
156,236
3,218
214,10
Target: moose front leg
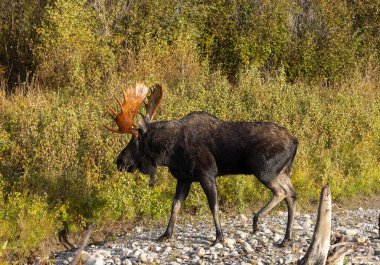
x,y
182,190
209,187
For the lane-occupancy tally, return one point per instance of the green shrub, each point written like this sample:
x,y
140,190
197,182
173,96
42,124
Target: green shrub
x,y
26,223
54,150
69,52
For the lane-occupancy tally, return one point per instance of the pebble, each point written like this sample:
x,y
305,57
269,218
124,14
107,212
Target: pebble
x,y
247,247
192,242
126,262
117,261
201,252
351,232
361,240
96,261
218,246
229,242
277,238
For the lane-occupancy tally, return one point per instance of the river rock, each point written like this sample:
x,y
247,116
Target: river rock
x,y
96,261
201,252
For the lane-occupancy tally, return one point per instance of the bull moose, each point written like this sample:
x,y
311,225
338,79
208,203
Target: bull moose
x,y
199,147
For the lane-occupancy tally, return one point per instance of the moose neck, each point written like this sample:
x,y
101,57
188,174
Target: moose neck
x,y
160,141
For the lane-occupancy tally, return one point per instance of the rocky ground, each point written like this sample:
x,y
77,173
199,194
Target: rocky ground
x,y
193,237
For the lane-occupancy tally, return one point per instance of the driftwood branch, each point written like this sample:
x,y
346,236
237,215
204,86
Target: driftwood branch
x,y
320,244
342,250
83,244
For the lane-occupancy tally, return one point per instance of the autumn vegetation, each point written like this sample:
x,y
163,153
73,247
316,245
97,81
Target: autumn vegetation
x,y
311,66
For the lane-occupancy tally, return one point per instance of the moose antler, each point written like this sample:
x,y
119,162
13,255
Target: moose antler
x,y
154,101
133,98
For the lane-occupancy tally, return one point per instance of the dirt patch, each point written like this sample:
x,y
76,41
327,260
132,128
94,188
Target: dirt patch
x,y
361,201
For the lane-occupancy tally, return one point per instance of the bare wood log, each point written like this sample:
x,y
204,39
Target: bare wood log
x,y
343,249
320,244
83,244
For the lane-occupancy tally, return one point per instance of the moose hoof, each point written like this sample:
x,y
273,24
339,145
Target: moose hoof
x,y
254,224
254,228
163,238
218,240
284,243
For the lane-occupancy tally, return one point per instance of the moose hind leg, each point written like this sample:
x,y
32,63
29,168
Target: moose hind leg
x,y
281,188
291,202
182,190
209,187
278,196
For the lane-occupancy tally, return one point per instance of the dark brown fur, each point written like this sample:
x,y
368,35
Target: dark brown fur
x,y
200,147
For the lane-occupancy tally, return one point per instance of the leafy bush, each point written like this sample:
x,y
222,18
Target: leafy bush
x,y
69,52
26,223
54,150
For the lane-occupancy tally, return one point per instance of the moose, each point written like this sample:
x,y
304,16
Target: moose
x,y
199,147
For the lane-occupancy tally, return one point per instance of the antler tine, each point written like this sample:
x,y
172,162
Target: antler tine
x,y
118,101
111,112
111,129
127,95
154,100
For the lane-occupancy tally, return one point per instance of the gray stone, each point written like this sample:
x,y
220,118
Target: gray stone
x,y
277,237
85,256
157,249
96,261
201,252
241,234
105,253
143,257
267,231
128,261
218,246
196,260
247,247
229,242
243,217
288,259
117,260
351,232
253,242
97,255
153,256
